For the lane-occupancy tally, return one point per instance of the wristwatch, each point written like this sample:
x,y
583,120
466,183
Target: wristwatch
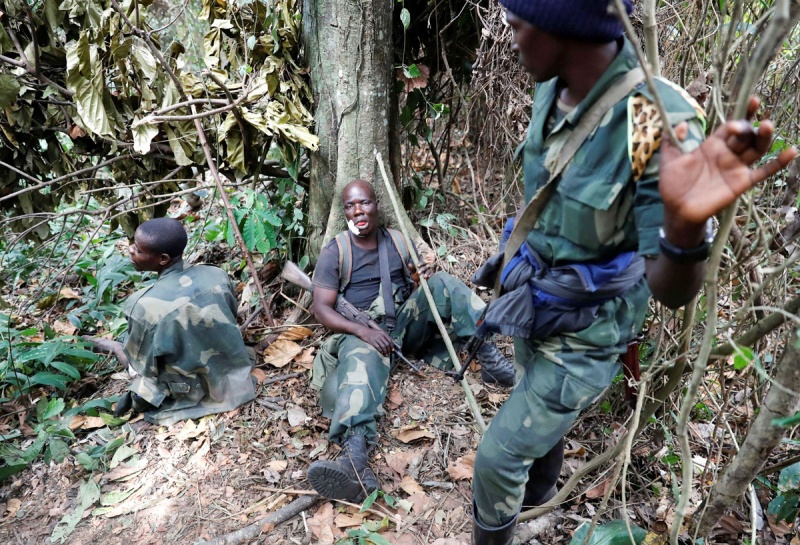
x,y
677,254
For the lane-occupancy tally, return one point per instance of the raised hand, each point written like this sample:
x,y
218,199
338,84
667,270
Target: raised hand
x,y
694,186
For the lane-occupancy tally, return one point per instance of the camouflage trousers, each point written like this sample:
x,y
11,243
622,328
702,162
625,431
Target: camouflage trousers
x,y
562,375
352,374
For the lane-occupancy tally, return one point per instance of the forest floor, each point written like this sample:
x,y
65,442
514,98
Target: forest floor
x,y
198,480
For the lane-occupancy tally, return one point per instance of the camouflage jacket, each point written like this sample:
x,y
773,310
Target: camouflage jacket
x,y
184,342
598,210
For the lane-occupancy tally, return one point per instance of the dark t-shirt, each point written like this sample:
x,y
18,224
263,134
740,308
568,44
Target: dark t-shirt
x,y
365,278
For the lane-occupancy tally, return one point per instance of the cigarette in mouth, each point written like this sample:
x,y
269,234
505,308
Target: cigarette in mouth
x,y
352,226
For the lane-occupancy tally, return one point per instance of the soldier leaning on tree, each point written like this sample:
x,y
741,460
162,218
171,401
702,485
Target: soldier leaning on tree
x,y
614,225
352,368
182,339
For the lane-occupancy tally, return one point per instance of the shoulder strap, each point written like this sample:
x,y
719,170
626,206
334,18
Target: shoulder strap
x,y
386,282
344,244
589,120
399,242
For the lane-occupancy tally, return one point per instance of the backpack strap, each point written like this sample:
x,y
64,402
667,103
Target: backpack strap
x,y
400,245
345,246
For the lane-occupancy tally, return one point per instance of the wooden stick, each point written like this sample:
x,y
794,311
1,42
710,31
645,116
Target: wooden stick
x,y
473,405
248,533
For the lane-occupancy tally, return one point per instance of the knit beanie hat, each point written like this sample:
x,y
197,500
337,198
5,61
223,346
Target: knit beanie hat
x,y
586,20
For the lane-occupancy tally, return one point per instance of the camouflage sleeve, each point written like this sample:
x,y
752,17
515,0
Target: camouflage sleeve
x,y
648,209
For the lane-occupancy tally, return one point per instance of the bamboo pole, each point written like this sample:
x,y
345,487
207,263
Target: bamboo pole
x,y
473,405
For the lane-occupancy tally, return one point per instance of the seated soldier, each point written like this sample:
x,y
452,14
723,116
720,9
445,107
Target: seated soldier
x,y
182,338
352,368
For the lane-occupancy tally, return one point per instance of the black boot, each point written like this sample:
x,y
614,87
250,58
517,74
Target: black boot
x,y
487,535
495,367
349,477
543,476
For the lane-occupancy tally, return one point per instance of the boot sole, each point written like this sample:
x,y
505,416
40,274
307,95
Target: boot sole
x,y
330,481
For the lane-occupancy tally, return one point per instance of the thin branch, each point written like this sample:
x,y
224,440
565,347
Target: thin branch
x,y
473,405
167,109
236,112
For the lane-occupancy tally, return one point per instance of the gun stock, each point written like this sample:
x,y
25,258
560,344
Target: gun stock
x,y
294,274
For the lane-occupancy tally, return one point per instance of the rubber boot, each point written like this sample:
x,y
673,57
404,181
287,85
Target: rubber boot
x,y
495,367
349,477
487,535
543,476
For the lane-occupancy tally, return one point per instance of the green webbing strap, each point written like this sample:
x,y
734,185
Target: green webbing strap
x,y
345,259
589,121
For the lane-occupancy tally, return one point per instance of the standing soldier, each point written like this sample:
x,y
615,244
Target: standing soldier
x,y
616,224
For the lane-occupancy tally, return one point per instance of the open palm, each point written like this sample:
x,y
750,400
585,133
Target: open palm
x,y
694,186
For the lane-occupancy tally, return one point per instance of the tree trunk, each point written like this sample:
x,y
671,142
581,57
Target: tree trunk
x,y
349,49
781,401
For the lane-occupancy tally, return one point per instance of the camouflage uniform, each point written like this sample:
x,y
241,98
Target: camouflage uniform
x,y
596,212
184,342
353,375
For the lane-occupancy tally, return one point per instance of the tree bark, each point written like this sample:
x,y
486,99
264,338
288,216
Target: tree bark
x,y
782,400
349,48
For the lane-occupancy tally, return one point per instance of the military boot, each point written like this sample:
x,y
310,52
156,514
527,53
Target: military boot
x,y
543,476
349,477
487,535
495,367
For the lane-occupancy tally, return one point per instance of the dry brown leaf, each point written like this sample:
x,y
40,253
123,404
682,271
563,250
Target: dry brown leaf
x,y
399,461
578,452
394,399
12,507
92,422
405,538
259,374
320,524
68,293
420,501
297,333
281,352
267,527
64,328
462,468
191,430
77,422
412,432
306,358
410,486
599,490
497,397
277,465
123,470
343,520
76,132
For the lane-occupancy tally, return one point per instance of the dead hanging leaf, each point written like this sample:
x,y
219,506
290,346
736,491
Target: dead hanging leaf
x,y
76,132
598,491
411,433
297,333
68,293
462,468
281,352
321,524
419,82
410,486
90,422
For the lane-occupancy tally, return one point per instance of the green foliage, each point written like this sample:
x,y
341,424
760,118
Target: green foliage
x,y
611,533
368,532
270,221
53,437
785,505
31,361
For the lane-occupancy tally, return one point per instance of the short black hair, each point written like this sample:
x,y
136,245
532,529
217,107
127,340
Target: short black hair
x,y
164,236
